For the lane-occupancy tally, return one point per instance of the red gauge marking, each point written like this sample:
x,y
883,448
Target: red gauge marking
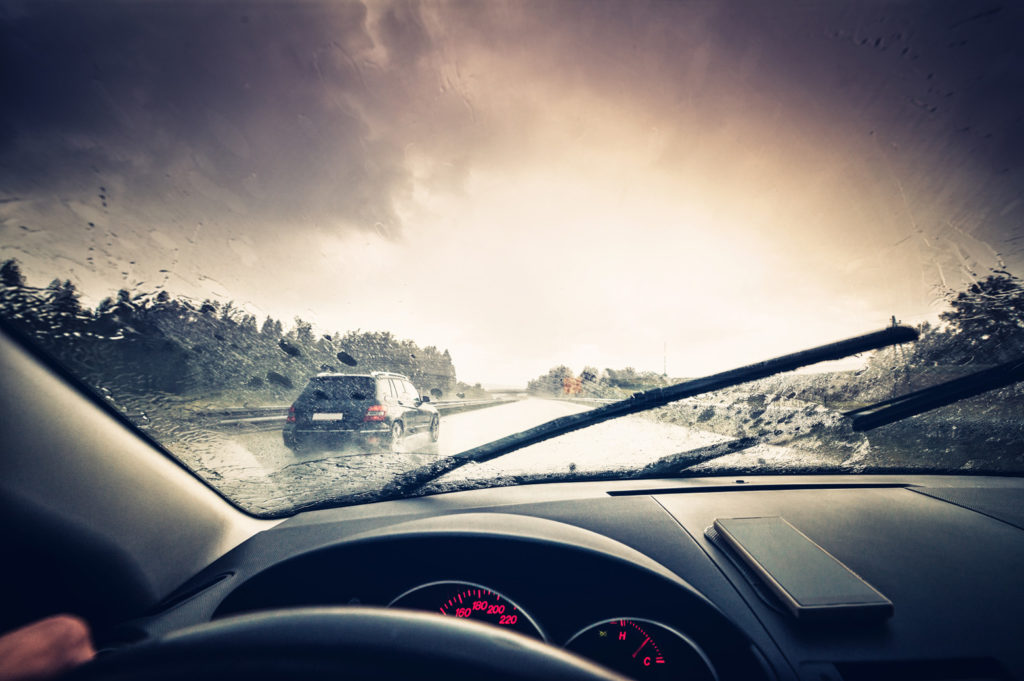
x,y
469,601
642,645
647,639
641,656
483,607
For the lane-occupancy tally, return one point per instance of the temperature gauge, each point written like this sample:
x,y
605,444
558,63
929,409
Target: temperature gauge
x,y
642,649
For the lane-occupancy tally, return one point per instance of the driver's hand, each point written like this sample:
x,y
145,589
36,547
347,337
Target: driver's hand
x,y
44,649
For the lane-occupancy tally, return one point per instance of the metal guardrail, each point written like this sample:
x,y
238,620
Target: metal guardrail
x,y
272,417
456,406
591,400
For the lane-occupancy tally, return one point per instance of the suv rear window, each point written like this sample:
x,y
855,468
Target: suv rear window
x,y
340,388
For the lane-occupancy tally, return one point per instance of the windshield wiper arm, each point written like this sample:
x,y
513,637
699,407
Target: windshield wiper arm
x,y
641,401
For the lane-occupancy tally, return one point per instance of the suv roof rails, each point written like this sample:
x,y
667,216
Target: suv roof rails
x,y
388,373
371,374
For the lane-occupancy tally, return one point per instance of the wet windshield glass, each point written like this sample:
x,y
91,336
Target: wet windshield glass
x,y
492,215
338,389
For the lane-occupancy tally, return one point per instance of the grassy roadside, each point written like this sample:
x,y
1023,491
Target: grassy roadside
x,y
804,411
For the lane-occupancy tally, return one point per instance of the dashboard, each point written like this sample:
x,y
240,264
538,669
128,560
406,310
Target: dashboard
x,y
541,578
623,573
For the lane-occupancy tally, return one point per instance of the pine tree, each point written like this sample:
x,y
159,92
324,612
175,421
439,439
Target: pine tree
x,y
10,274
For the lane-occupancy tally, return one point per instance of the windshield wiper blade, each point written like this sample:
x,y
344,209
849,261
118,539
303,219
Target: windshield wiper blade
x,y
863,418
926,399
407,482
674,464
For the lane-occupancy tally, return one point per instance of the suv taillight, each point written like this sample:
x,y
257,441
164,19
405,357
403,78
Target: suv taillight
x,y
291,414
377,412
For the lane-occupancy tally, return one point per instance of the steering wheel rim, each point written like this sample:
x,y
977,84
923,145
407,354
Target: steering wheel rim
x,y
350,642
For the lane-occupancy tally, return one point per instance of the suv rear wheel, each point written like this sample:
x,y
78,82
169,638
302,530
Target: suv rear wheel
x,y
397,431
292,441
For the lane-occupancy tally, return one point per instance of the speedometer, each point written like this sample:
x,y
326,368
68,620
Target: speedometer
x,y
469,601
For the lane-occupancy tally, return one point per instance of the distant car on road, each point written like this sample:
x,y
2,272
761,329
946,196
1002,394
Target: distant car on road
x,y
377,409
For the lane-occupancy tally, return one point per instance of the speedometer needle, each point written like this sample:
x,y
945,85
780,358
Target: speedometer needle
x,y
642,645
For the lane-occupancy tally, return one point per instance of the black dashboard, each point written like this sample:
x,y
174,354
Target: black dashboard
x,y
623,573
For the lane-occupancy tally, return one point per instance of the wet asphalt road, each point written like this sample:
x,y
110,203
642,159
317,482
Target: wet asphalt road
x,y
257,469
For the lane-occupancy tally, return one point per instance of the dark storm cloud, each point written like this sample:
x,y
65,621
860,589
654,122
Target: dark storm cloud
x,y
311,111
924,99
955,66
267,102
941,77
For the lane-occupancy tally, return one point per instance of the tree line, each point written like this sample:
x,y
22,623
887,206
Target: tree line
x,y
145,342
592,382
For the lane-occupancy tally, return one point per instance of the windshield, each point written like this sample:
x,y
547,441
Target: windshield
x,y
327,252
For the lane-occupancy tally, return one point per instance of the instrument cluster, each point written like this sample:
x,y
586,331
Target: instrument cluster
x,y
635,647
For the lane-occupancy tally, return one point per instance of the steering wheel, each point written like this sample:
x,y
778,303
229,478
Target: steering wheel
x,y
303,644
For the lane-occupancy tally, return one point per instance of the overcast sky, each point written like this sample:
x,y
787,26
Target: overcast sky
x,y
523,183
